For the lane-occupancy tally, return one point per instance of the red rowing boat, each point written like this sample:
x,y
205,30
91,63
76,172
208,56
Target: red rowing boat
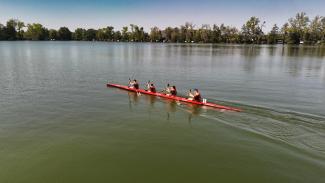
x,y
181,99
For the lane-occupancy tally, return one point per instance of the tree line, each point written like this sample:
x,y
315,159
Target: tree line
x,y
297,30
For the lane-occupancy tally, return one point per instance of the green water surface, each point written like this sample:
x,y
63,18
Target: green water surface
x,y
60,124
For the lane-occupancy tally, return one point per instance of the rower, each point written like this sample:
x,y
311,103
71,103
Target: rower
x,y
195,96
171,90
134,84
151,87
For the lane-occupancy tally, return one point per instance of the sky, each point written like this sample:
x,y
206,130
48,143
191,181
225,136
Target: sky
x,y
149,13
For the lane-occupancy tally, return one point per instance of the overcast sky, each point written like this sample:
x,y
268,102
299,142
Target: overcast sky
x,y
149,13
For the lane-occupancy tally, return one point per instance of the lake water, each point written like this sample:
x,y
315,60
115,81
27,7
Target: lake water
x,y
60,123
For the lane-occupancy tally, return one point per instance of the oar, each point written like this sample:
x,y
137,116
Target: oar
x,y
133,75
147,84
190,93
129,82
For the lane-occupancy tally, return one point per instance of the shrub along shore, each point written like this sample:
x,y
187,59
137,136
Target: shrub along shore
x,y
299,29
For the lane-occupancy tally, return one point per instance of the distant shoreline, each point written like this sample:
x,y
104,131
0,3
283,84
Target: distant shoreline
x,y
298,30
166,43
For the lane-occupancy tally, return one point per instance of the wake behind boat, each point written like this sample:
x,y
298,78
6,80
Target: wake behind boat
x,y
177,98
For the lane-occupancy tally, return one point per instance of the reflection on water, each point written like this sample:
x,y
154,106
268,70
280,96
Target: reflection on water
x,y
250,50
171,106
296,60
133,99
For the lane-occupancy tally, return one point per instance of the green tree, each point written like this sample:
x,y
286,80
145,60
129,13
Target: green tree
x,y
36,32
323,30
105,34
2,32
182,34
216,34
252,30
117,36
110,32
20,31
273,35
189,32
64,34
315,30
53,34
133,32
203,34
101,35
79,34
166,35
155,34
175,35
298,28
229,34
10,30
137,33
125,34
285,32
90,35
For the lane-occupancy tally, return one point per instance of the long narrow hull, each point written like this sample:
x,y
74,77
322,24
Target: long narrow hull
x,y
181,99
